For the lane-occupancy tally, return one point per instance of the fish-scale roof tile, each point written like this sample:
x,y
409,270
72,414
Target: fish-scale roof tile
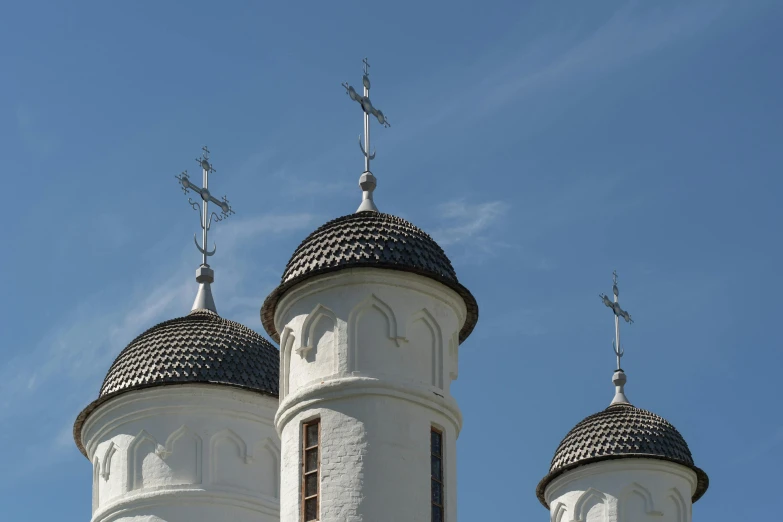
x,y
201,347
621,431
368,239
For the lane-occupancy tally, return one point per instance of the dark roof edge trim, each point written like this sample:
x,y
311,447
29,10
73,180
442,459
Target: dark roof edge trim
x,y
702,480
270,303
94,405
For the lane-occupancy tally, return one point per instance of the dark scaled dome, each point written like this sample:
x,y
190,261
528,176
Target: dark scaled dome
x,y
621,431
200,347
369,239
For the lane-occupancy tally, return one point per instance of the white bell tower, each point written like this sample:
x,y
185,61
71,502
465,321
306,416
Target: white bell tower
x,y
367,424
369,316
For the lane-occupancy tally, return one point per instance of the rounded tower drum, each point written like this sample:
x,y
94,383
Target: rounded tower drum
x,y
369,316
182,430
622,464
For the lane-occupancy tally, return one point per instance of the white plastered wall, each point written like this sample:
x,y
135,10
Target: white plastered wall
x,y
623,490
371,353
192,452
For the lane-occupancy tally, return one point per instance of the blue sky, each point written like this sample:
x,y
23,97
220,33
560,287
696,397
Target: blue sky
x,y
543,144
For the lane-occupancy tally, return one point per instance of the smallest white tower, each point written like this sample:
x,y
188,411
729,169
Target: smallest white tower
x,y
623,464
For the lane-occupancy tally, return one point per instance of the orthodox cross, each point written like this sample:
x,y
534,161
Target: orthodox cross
x,y
203,208
618,313
368,109
367,182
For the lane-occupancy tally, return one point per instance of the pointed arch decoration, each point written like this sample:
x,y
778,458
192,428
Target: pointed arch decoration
x,y
680,506
392,331
96,485
286,345
427,318
636,489
584,503
143,441
183,432
270,446
558,513
229,435
309,326
454,356
107,455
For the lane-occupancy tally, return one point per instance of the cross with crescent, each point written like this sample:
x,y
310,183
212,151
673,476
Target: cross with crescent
x,y
203,207
369,110
618,313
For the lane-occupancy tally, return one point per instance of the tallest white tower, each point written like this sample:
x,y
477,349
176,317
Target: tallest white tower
x,y
369,316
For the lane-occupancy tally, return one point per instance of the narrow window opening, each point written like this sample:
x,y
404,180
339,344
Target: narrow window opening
x,y
436,467
311,459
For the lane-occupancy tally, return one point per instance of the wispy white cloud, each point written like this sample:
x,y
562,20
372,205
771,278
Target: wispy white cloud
x,y
469,229
72,356
98,326
467,220
630,34
558,64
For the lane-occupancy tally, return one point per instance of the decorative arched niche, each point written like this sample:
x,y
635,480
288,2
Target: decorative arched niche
x,y
227,452
371,310
176,462
589,501
107,456
142,448
319,329
251,470
635,495
265,466
679,506
287,339
424,335
183,455
315,353
96,485
558,513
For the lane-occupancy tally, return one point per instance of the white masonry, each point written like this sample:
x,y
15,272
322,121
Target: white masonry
x,y
370,353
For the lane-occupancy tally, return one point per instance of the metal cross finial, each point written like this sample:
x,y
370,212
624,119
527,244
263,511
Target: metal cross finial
x,y
203,207
618,313
367,181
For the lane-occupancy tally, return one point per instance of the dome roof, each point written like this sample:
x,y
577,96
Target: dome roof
x,y
621,431
201,347
369,239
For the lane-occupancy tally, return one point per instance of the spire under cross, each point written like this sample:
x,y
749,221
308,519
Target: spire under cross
x,y
367,181
203,208
618,313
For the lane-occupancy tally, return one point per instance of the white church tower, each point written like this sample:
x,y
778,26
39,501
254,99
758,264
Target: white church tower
x,y
623,464
183,427
369,316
